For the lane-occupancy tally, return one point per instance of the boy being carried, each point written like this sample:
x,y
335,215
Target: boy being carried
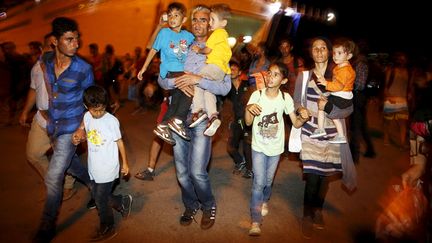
x,y
218,56
173,44
340,88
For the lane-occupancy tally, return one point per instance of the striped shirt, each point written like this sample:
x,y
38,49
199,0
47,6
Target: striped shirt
x,y
66,108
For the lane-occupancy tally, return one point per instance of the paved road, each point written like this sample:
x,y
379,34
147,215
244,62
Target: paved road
x,y
157,205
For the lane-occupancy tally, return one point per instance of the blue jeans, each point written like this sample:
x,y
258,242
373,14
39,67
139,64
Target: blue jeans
x,y
264,168
191,159
63,159
105,200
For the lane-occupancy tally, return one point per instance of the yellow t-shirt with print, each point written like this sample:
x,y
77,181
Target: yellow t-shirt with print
x,y
221,52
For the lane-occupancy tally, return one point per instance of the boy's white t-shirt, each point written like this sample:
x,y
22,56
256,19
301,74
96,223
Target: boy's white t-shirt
x,y
268,129
103,155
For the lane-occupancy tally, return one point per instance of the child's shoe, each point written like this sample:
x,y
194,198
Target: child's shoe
x,y
318,133
212,126
164,133
104,233
126,206
255,229
177,126
197,118
338,140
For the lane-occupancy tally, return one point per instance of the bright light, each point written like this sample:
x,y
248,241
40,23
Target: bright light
x,y
232,41
274,7
247,38
330,16
289,11
37,1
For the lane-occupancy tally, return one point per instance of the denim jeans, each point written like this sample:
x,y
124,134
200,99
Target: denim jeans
x,y
105,200
38,144
191,159
264,168
63,159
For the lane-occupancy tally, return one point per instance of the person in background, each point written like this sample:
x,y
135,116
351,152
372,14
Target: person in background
x,y
295,64
358,124
396,92
239,132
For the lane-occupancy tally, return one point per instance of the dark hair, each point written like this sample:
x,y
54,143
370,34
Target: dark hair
x,y
93,46
62,25
282,68
35,44
348,45
288,40
234,63
223,11
109,49
95,96
178,6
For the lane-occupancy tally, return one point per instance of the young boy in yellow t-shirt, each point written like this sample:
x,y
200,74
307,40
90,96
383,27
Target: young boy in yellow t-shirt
x,y
218,56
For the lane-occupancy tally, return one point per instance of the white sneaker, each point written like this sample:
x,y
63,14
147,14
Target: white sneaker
x,y
264,209
255,229
318,133
338,140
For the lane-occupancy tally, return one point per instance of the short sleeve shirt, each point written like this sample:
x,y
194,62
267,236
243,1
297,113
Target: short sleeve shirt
x,y
173,47
268,129
221,52
103,156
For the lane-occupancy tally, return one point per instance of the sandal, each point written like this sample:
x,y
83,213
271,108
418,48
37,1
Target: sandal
x,y
145,175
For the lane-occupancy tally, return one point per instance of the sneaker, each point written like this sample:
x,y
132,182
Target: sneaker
x,y
255,229
307,227
338,140
188,216
212,126
44,235
197,118
126,206
264,209
178,128
318,221
247,174
208,218
164,133
318,133
238,168
105,233
145,175
68,193
369,154
91,204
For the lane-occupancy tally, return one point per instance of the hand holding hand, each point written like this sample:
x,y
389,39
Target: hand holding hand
x,y
304,113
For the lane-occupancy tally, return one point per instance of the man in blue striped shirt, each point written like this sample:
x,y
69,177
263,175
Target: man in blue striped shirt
x,y
66,78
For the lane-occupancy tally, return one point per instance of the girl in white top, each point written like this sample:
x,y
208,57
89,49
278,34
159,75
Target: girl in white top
x,y
264,111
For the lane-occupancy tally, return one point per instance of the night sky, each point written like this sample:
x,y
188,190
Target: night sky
x,y
387,25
